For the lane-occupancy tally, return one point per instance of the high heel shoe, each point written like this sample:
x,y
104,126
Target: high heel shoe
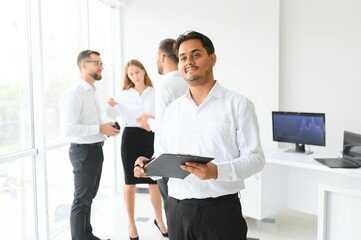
x,y
156,224
134,238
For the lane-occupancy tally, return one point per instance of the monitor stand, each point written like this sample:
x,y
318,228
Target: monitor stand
x,y
294,151
300,148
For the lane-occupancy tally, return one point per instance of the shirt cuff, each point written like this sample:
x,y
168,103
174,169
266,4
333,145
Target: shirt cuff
x,y
151,123
95,129
223,172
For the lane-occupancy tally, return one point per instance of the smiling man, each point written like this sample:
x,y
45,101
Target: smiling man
x,y
208,120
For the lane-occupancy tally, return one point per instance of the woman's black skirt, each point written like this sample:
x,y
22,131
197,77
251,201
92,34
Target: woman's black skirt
x,y
136,142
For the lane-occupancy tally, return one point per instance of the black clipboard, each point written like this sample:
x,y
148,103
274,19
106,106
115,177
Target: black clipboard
x,y
168,165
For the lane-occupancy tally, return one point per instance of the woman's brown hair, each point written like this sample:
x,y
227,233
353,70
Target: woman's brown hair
x,y
127,83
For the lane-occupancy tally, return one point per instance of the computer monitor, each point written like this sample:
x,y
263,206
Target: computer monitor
x,y
352,146
300,128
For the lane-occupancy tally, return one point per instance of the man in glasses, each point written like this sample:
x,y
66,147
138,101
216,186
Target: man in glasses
x,y
82,124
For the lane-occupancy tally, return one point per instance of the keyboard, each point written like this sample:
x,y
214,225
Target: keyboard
x,y
337,163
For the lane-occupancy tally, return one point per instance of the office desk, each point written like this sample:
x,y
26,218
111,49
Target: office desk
x,y
298,182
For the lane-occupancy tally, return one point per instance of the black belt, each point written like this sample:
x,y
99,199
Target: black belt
x,y
97,144
208,201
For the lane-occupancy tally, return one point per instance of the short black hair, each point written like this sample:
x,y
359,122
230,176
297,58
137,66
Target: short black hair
x,y
85,55
166,46
206,42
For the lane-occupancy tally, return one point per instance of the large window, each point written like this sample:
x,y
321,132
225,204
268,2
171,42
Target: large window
x,y
40,43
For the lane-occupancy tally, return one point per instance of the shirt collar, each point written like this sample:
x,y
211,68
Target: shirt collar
x,y
216,91
86,86
147,88
172,73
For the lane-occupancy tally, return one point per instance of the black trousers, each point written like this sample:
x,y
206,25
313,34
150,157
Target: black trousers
x,y
87,161
163,187
206,219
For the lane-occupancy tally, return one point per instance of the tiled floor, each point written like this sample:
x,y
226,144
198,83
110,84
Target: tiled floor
x,y
109,221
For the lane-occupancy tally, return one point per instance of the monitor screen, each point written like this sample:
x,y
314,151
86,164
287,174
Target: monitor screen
x,y
299,128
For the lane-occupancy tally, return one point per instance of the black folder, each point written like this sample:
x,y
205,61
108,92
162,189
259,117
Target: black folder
x,y
168,165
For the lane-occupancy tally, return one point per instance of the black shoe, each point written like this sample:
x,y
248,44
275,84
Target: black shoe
x,y
135,238
156,224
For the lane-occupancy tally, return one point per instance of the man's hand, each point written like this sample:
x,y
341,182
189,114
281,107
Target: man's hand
x,y
139,171
143,121
112,102
108,129
201,170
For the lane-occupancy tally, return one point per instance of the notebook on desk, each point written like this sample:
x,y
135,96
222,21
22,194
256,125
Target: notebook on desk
x,y
351,153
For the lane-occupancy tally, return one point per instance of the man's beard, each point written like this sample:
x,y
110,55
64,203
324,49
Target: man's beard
x,y
193,80
160,69
96,76
199,79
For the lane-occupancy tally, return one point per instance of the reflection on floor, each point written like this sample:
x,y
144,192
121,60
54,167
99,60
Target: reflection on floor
x,y
110,221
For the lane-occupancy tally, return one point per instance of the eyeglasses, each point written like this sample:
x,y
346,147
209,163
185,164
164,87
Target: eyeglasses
x,y
98,63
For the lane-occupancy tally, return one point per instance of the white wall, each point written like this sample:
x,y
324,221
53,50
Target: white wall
x,y
245,35
320,63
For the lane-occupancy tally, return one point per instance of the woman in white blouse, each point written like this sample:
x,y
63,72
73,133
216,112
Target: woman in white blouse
x,y
136,98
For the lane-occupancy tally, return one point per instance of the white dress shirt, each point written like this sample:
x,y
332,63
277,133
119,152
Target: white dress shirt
x,y
131,105
171,87
225,127
81,114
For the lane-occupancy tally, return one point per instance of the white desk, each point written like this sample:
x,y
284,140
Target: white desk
x,y
296,181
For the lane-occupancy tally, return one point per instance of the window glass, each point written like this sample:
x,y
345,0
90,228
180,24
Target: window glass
x,y
100,25
100,36
15,104
60,50
60,188
17,200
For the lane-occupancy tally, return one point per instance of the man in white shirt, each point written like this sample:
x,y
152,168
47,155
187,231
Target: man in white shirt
x,y
212,121
82,124
171,87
